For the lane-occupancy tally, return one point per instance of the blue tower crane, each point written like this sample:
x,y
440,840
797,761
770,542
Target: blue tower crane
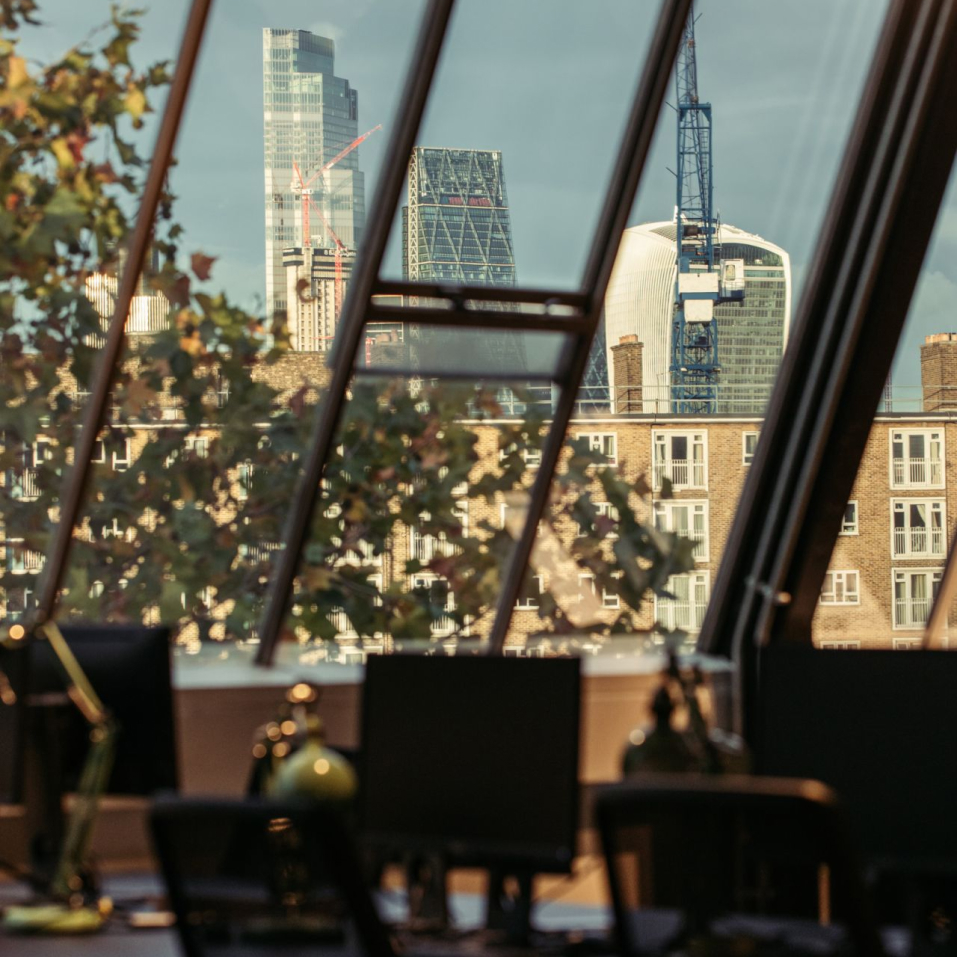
x,y
698,280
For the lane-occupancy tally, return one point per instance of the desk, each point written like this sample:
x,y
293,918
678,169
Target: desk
x,y
120,941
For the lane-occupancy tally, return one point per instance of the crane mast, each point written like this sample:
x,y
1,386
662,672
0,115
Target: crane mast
x,y
698,288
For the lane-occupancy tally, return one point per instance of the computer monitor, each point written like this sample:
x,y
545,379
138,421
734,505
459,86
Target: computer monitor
x,y
879,727
129,669
475,758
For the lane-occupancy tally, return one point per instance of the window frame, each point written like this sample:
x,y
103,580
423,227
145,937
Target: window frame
x,y
658,467
833,574
747,456
661,507
898,476
931,573
846,531
938,505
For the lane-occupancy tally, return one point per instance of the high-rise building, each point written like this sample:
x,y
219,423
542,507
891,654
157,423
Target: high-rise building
x,y
751,334
456,228
310,115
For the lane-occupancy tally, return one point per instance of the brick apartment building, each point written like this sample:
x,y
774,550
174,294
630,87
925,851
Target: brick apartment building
x,y
888,558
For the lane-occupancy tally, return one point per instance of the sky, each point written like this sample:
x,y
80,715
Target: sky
x,y
548,82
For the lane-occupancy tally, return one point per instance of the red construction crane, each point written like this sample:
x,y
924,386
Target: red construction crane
x,y
340,246
301,185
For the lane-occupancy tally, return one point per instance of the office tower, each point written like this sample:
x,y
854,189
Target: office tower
x,y
456,229
310,115
457,226
751,334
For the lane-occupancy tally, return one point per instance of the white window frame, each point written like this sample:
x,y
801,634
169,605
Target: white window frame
x,y
689,473
907,644
603,510
119,460
665,521
906,537
851,527
747,454
531,457
912,623
604,442
836,581
840,644
531,602
667,609
609,600
918,472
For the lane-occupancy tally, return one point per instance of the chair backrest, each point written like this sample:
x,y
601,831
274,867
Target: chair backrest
x,y
693,856
255,876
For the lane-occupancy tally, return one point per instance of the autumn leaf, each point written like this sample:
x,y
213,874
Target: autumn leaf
x,y
135,104
201,265
17,73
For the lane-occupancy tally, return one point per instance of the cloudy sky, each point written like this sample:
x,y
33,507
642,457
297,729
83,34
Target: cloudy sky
x,y
547,82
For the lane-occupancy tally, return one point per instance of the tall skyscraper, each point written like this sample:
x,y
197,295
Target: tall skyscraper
x,y
310,115
751,334
457,226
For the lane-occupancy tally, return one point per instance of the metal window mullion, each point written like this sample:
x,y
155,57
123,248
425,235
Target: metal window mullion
x,y
636,142
351,325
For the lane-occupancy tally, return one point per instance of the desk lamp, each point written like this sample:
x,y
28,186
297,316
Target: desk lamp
x,y
65,911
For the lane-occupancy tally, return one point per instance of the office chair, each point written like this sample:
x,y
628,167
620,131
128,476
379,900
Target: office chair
x,y
262,877
696,863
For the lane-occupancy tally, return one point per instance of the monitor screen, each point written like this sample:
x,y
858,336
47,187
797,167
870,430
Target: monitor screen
x,y
129,668
475,757
878,727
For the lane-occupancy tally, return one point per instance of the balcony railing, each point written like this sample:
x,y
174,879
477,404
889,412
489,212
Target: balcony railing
x,y
23,561
426,547
681,472
685,614
918,471
918,541
911,612
24,485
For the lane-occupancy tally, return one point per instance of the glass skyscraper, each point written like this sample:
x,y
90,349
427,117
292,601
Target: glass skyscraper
x,y
309,116
456,228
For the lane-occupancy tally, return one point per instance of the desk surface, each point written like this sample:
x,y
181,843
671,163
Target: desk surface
x,y
118,940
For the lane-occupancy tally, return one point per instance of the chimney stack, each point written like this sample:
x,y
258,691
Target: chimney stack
x,y
938,372
626,358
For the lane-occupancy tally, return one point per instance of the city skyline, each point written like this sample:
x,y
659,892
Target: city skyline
x,y
787,101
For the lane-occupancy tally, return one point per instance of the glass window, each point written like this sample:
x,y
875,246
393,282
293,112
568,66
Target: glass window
x,y
749,442
849,521
841,588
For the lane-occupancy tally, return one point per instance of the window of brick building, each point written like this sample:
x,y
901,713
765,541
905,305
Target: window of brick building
x,y
686,610
917,458
749,442
917,528
914,593
849,524
688,519
841,588
682,458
